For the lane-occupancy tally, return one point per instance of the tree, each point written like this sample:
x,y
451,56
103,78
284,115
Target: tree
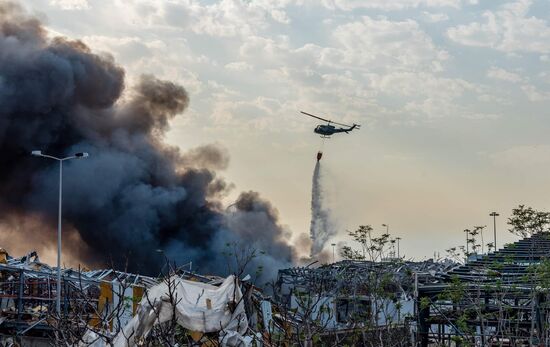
x,y
381,285
526,221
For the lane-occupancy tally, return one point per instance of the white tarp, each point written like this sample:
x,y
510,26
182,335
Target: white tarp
x,y
198,307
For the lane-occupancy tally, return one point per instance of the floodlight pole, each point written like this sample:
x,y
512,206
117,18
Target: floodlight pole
x,y
495,215
59,218
467,231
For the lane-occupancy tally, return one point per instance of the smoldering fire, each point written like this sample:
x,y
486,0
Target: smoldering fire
x,y
135,194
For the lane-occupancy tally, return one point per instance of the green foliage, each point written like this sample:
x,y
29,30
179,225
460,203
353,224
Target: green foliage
x,y
362,234
526,221
540,273
372,248
347,252
455,292
491,296
424,303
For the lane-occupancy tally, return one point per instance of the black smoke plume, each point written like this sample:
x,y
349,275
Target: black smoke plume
x,y
134,194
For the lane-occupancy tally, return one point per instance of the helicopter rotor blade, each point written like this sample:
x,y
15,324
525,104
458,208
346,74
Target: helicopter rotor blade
x,y
344,125
329,121
314,116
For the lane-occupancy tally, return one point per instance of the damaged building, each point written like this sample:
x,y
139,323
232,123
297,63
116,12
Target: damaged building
x,y
358,295
498,299
28,290
114,308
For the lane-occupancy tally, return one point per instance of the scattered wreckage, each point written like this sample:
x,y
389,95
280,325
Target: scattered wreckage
x,y
195,306
115,306
500,297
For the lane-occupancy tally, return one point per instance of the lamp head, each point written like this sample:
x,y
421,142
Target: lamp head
x,y
82,155
36,153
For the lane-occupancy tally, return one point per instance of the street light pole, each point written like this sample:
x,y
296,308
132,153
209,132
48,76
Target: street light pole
x,y
387,228
482,242
467,231
60,160
495,215
398,253
333,252
58,296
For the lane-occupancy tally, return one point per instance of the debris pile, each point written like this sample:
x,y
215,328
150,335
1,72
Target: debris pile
x,y
392,299
28,291
195,306
121,309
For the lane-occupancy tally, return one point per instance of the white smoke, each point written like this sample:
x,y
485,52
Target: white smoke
x,y
322,227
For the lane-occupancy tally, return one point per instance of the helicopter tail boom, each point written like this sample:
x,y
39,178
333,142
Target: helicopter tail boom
x,y
354,126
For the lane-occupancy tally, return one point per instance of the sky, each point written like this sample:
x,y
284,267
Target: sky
x,y
453,98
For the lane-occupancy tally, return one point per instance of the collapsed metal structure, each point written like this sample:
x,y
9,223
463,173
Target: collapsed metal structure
x,y
501,298
28,290
365,298
98,301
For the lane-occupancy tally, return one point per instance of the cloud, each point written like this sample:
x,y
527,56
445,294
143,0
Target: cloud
x,y
503,75
382,43
153,55
509,29
430,96
422,84
533,94
225,18
368,60
71,4
259,113
359,62
239,66
368,44
524,156
127,49
349,5
434,17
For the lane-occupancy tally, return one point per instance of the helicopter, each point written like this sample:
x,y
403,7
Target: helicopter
x,y
326,130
